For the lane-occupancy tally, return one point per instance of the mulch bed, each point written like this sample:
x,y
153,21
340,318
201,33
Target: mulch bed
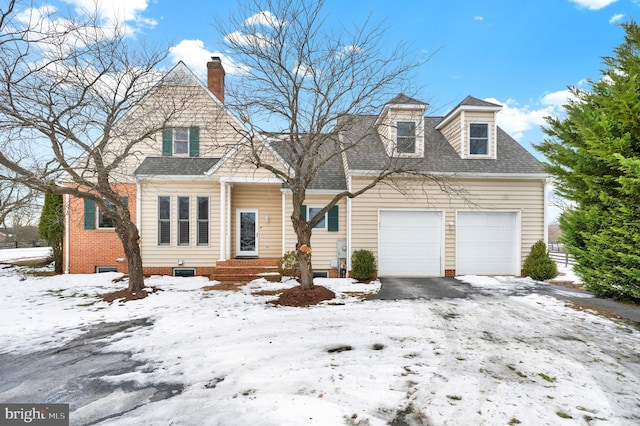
x,y
125,295
296,296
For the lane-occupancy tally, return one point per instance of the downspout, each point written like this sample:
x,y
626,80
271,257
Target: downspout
x,y
223,220
138,208
546,187
66,233
349,200
284,223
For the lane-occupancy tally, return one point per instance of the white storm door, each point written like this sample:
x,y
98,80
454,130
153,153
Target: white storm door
x,y
246,232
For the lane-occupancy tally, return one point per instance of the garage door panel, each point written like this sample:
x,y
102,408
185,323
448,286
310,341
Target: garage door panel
x,y
486,243
410,243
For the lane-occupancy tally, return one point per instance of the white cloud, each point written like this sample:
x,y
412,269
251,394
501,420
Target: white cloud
x,y
121,12
593,4
615,18
516,120
195,55
478,18
557,99
251,39
263,18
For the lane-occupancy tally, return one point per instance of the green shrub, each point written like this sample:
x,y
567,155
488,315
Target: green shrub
x,y
363,265
538,265
288,265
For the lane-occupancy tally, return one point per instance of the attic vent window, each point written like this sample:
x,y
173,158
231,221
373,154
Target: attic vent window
x,y
478,139
406,137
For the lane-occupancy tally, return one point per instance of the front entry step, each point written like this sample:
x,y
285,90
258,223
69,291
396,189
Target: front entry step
x,y
242,271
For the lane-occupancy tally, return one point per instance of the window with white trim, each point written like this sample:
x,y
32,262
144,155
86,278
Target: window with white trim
x,y
203,221
164,220
406,137
479,139
181,141
322,223
104,221
183,221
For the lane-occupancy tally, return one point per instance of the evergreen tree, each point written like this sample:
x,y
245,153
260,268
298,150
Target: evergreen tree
x,y
51,226
538,264
594,155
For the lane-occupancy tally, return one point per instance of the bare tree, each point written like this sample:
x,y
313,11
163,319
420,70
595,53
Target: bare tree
x,y
308,81
71,109
14,198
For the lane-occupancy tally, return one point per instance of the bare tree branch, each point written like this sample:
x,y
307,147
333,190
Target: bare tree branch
x,y
306,84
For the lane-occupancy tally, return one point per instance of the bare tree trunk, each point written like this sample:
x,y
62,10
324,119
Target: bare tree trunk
x,y
56,247
303,250
128,233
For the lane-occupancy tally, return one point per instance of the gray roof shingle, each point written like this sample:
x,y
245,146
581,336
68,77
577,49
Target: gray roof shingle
x,y
403,99
175,166
440,156
330,176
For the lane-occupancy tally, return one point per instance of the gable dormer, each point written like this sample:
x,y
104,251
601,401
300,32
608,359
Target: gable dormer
x,y
471,129
401,127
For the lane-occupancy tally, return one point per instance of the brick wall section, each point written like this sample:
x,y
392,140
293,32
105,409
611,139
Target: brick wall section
x,y
89,249
200,271
449,272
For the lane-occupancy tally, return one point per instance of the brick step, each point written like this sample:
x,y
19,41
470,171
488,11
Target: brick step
x,y
247,269
242,278
271,262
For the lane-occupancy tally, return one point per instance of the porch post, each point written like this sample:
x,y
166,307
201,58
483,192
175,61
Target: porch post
x,y
223,221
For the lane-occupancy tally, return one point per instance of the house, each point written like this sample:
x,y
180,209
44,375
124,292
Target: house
x,y
200,211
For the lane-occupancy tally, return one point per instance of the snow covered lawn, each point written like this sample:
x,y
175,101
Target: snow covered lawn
x,y
487,360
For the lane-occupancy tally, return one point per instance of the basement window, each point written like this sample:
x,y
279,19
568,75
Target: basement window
x,y
184,272
101,269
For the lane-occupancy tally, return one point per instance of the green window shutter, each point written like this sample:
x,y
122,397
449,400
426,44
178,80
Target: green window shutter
x,y
89,214
167,141
332,216
194,141
303,213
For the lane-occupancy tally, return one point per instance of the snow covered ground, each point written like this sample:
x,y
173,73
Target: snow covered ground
x,y
485,360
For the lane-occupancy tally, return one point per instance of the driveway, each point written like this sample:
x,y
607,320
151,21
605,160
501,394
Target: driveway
x,y
78,374
396,288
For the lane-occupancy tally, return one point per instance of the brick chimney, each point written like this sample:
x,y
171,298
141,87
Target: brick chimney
x,y
215,77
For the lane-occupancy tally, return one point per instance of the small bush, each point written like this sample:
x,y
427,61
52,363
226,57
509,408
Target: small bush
x,y
288,265
538,265
363,265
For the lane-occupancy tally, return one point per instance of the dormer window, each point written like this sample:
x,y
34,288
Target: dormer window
x,y
406,137
479,139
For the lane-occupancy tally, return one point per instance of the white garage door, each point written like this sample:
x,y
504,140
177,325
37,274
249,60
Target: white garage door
x,y
410,243
487,243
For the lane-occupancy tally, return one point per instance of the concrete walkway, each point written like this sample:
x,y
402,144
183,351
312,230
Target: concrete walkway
x,y
394,288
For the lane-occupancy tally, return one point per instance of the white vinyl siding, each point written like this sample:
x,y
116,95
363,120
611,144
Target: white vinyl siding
x,y
267,200
155,255
323,244
525,196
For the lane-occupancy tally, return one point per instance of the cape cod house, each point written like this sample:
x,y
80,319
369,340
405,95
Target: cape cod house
x,y
198,211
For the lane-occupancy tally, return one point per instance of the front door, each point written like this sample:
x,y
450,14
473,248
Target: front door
x,y
246,232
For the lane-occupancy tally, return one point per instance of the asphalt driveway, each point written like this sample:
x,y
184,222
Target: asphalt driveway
x,y
403,288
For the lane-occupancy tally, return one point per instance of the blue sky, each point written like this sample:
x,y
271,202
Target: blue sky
x,y
520,53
